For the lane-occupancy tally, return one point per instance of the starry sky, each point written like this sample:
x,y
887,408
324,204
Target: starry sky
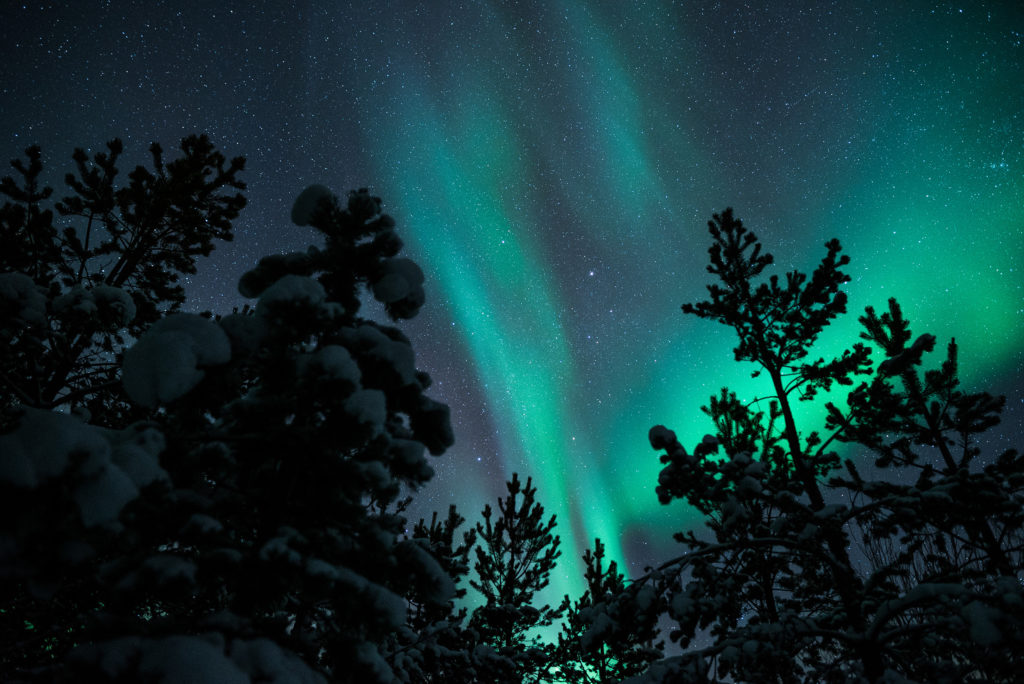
x,y
552,165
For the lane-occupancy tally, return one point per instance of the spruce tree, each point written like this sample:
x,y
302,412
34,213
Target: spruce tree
x,y
79,278
778,591
434,644
593,652
516,553
252,530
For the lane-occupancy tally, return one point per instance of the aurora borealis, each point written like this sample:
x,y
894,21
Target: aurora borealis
x,y
552,166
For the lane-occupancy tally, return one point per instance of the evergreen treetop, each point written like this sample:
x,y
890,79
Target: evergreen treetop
x,y
814,571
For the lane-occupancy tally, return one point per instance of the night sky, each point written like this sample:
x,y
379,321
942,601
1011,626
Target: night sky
x,y
552,166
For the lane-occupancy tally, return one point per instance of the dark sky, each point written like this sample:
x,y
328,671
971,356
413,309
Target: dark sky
x,y
552,166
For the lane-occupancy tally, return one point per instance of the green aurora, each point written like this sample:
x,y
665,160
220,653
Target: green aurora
x,y
552,165
557,173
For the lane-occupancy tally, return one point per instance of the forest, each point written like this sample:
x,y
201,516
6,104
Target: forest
x,y
223,496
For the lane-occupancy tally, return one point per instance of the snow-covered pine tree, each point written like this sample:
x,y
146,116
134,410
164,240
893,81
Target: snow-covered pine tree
x,y
586,652
516,553
78,278
779,592
251,534
434,644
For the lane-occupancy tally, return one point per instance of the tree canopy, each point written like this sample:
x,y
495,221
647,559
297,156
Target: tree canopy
x,y
815,568
254,512
84,274
222,498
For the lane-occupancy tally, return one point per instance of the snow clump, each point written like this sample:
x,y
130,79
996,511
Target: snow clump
x,y
245,332
167,361
368,406
291,289
137,451
111,303
40,447
333,362
110,466
116,300
396,356
401,278
21,299
307,203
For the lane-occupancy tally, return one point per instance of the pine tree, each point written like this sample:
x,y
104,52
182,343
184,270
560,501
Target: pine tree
x,y
778,592
255,529
79,278
588,651
514,558
434,644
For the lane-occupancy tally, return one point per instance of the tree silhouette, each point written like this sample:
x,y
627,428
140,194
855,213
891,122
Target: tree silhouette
x,y
79,278
253,530
778,592
589,652
516,553
434,645
108,267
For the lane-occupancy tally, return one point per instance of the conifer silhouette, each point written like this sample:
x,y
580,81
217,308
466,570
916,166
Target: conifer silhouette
x,y
814,571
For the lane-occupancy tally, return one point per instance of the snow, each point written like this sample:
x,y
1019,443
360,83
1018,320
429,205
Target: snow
x,y
265,661
225,556
101,497
198,660
981,623
598,631
203,524
167,361
830,511
368,655
680,605
368,406
389,606
21,299
661,437
111,465
748,486
374,475
40,447
76,299
645,598
432,422
378,346
107,300
402,278
137,452
271,268
170,569
291,289
408,451
322,569
917,594
280,546
74,552
439,584
189,659
244,331
117,300
307,203
332,361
